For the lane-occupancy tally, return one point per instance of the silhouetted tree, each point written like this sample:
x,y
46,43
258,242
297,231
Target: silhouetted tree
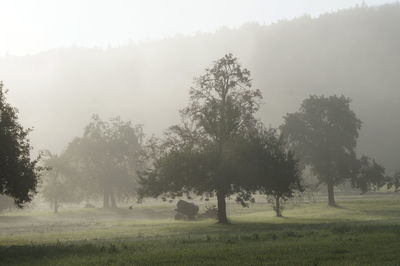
x,y
370,176
202,152
393,182
281,177
324,135
18,172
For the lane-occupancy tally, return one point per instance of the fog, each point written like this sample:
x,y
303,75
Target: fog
x,y
350,52
150,127
30,27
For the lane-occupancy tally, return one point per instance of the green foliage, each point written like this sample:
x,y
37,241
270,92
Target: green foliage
x,y
18,172
279,175
181,171
370,176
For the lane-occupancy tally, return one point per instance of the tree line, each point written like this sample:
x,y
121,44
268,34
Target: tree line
x,y
219,149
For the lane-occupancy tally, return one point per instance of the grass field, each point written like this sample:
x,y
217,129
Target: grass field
x,y
364,230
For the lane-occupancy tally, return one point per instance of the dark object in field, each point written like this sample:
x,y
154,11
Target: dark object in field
x,y
186,210
211,212
88,205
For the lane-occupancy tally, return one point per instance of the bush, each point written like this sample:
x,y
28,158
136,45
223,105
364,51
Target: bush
x,y
186,210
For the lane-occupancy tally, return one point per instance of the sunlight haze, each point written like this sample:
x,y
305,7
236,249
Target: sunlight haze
x,y
188,132
28,27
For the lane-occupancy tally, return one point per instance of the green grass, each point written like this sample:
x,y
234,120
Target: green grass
x,y
362,231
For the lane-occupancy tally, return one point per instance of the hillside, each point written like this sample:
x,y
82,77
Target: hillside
x,y
354,52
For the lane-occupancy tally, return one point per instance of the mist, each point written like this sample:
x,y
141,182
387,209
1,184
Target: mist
x,y
350,52
150,126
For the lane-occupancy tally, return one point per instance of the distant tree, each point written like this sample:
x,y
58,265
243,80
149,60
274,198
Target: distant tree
x,y
393,182
107,158
324,135
18,172
201,157
58,186
86,172
370,176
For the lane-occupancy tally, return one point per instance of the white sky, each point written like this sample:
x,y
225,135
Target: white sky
x,y
31,26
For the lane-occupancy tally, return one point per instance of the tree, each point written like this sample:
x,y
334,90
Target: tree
x,y
107,158
394,182
370,176
282,178
58,186
18,172
272,170
202,155
323,134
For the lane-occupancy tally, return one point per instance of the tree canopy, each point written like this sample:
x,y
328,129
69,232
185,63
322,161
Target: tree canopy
x,y
324,133
280,176
106,159
370,175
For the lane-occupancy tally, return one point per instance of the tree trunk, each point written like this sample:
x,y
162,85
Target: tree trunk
x,y
278,207
106,198
112,199
222,218
55,205
331,193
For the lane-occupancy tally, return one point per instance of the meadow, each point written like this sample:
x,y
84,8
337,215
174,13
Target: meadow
x,y
363,230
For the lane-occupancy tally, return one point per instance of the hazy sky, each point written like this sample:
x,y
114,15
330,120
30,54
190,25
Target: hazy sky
x,y
31,26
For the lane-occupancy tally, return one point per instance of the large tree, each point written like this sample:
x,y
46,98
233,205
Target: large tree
x,y
203,151
106,159
18,172
324,133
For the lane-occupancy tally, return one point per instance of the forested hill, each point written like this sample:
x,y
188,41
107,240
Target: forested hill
x,y
355,52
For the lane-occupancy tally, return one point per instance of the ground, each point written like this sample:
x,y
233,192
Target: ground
x,y
363,230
